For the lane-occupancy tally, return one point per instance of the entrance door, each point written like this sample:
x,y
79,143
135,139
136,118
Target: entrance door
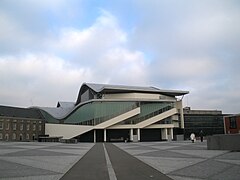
x,y
99,135
150,134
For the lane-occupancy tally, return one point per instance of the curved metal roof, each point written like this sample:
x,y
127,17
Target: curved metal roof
x,y
107,88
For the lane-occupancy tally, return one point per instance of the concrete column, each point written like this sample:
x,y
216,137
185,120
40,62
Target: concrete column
x,y
94,136
170,134
131,134
138,133
180,108
105,135
164,134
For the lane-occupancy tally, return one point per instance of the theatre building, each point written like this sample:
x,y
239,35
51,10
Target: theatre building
x,y
110,113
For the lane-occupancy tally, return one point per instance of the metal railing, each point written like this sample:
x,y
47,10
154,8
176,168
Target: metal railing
x,y
150,115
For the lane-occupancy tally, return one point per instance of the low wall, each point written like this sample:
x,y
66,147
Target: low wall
x,y
224,142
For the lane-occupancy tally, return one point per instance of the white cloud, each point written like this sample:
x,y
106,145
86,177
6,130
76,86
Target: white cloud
x,y
42,77
95,54
45,54
103,34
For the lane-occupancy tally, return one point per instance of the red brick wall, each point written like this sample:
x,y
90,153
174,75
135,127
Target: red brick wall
x,y
227,125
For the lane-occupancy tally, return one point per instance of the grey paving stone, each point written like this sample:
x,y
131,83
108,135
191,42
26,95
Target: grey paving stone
x,y
67,151
3,152
58,164
204,169
142,148
30,146
192,147
42,177
9,147
184,178
230,155
164,147
9,169
128,147
233,173
164,153
37,152
230,161
138,152
167,165
200,153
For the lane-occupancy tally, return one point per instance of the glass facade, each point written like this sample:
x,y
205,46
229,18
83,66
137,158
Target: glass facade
x,y
209,123
94,113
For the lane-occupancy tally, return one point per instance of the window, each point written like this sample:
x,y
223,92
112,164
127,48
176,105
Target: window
x,y
7,127
1,125
28,127
14,126
14,136
40,127
233,122
1,136
6,137
20,137
34,127
21,127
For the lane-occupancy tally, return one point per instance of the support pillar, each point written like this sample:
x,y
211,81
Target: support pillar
x,y
105,135
138,134
171,133
131,134
164,134
94,135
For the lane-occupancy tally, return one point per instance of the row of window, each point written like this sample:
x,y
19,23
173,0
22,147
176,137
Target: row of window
x,y
232,122
15,137
21,126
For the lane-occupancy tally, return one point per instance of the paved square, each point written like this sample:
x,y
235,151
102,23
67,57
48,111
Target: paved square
x,y
186,161
178,160
35,161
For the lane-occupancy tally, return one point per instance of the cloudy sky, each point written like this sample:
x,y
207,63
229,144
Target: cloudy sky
x,y
49,48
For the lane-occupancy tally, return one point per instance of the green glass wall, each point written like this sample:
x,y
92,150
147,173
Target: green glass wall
x,y
95,110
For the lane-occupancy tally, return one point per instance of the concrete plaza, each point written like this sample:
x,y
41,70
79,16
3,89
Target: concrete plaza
x,y
173,160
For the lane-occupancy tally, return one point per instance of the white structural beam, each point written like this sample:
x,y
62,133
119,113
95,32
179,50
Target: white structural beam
x,y
118,119
159,126
66,131
157,118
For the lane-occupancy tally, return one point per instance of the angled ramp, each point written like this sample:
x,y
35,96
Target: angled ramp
x,y
157,118
67,131
118,119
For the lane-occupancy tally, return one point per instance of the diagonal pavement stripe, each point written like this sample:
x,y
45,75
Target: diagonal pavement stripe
x,y
128,167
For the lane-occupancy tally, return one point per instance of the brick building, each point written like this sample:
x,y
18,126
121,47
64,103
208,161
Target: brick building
x,y
232,124
20,124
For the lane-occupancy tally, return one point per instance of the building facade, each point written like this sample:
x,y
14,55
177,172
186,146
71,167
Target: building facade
x,y
20,124
110,113
209,121
232,124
